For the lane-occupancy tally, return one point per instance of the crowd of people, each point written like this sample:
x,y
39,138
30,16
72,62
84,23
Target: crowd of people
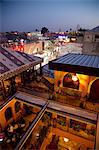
x,y
13,133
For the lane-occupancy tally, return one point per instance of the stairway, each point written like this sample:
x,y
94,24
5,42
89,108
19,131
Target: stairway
x,y
47,83
34,92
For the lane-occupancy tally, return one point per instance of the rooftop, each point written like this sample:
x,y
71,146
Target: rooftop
x,y
77,63
13,61
96,29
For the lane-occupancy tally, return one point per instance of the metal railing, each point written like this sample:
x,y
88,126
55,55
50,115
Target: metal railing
x,y
31,128
7,100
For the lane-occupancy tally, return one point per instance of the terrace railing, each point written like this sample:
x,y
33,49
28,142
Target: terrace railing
x,y
31,128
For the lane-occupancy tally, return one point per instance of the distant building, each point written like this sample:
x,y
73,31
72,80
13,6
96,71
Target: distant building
x,y
3,38
34,35
91,42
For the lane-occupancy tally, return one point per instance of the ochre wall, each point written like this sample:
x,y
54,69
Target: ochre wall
x,y
85,81
32,47
11,104
51,80
15,115
59,75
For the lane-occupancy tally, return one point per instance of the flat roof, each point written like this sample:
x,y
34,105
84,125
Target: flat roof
x,y
15,61
47,72
77,63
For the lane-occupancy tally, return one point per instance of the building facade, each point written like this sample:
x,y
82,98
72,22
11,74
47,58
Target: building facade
x,y
91,43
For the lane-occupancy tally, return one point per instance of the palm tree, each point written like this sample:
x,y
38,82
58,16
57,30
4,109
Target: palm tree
x,y
70,29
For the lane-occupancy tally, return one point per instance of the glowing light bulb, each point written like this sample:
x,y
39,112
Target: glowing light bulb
x,y
1,140
74,78
66,139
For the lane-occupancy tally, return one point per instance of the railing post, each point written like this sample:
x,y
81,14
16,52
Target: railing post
x,y
31,128
40,69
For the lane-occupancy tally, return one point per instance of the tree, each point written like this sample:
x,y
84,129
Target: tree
x,y
22,36
70,29
81,29
11,35
37,30
44,30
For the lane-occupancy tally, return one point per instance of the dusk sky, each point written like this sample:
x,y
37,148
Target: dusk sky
x,y
27,15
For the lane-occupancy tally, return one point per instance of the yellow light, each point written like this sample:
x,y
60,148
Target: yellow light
x,y
1,140
74,78
29,34
73,39
37,134
66,139
68,40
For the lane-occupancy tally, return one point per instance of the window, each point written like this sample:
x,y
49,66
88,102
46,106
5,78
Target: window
x,y
61,120
17,106
96,36
7,85
77,125
8,113
69,82
94,91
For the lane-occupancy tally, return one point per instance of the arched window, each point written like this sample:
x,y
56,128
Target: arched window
x,y
8,113
71,80
17,106
94,91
